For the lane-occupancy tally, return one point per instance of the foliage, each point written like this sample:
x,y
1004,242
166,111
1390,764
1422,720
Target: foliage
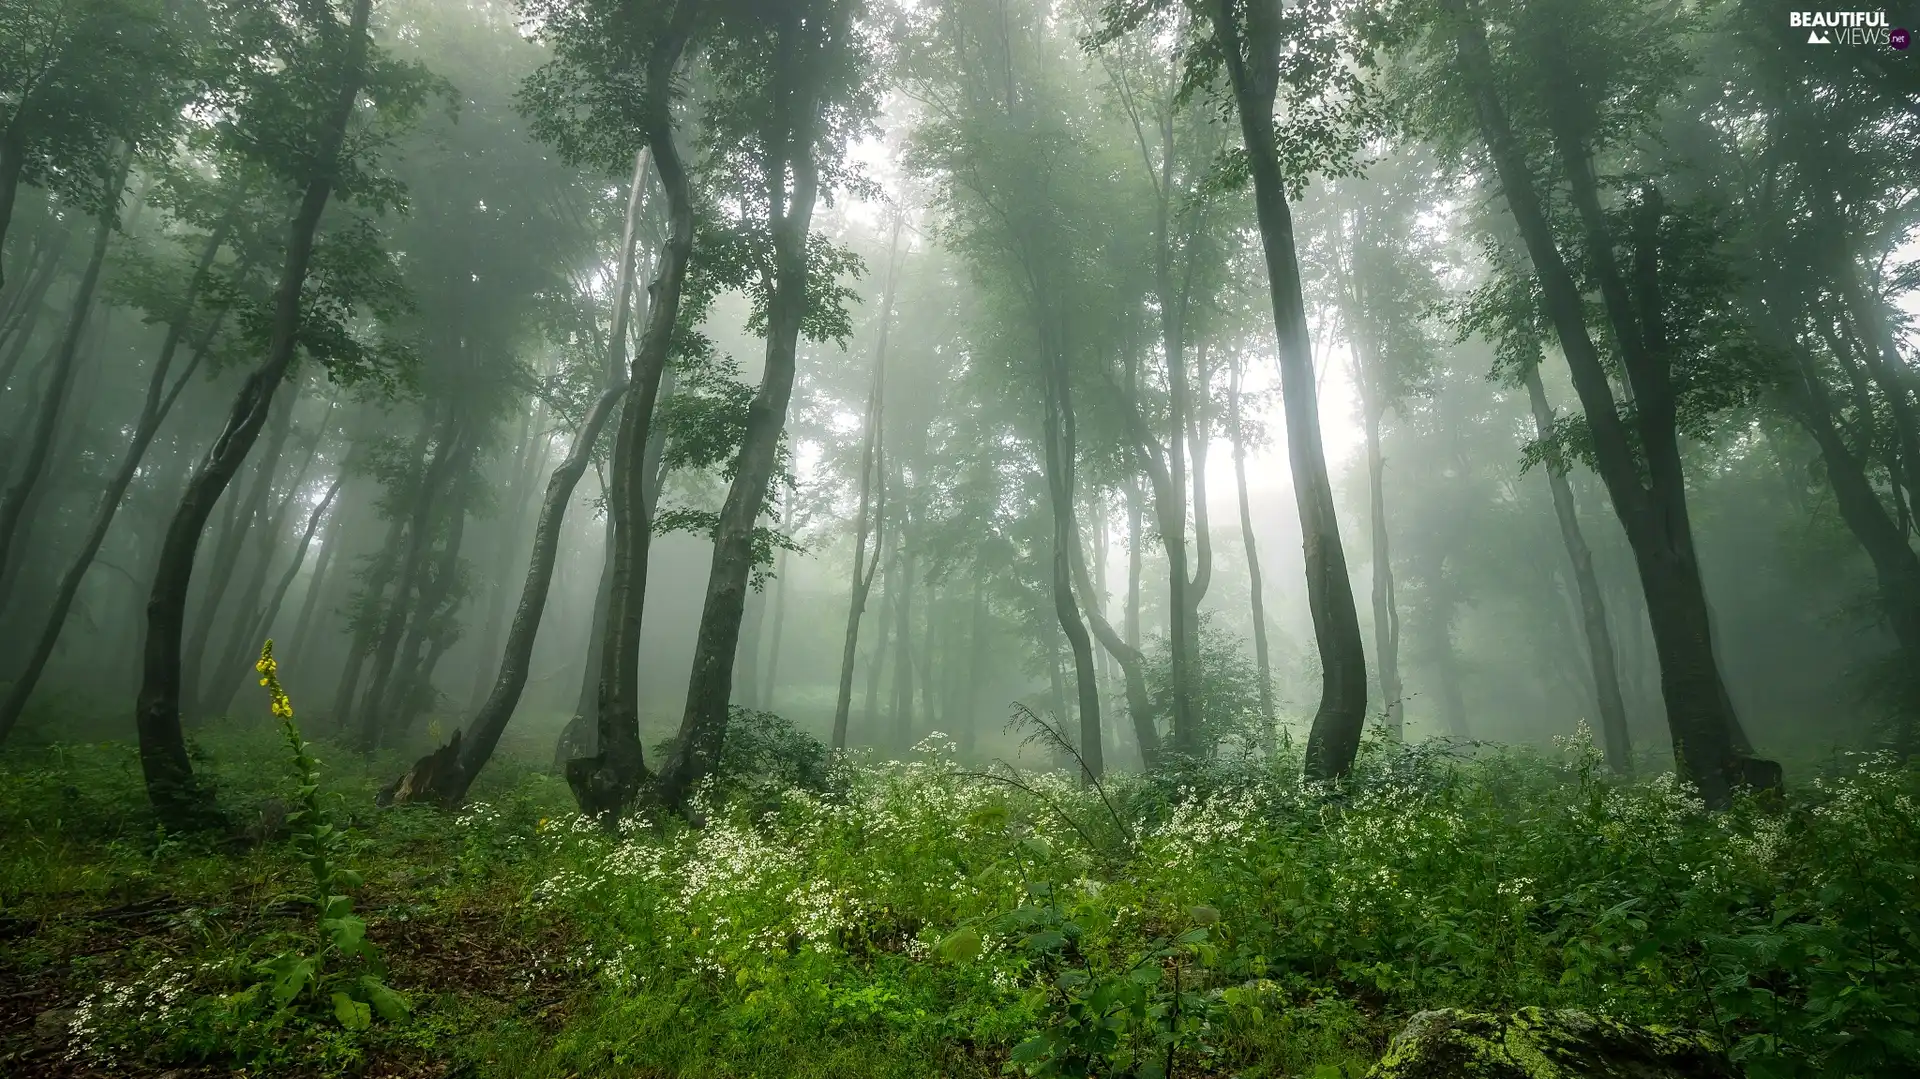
x,y
1226,688
308,973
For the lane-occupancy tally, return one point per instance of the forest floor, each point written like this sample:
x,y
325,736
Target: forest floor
x,y
928,918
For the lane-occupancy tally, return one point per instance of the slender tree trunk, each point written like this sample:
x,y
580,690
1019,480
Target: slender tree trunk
x,y
580,737
248,520
927,682
703,726
408,599
903,646
1593,609
263,621
1386,612
1132,664
171,784
153,412
227,677
33,461
1263,663
1058,432
316,584
1253,70
367,625
28,303
527,465
779,634
976,665
877,656
13,161
605,784
1655,519
413,677
872,515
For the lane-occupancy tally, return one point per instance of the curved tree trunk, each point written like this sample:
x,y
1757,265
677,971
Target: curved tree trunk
x,y
1132,663
605,784
1654,517
1256,594
872,514
171,785
247,519
448,786
1253,70
703,726
1593,604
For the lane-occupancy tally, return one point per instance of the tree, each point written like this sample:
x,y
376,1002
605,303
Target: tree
x,y
323,68
793,88
873,502
79,79
1578,102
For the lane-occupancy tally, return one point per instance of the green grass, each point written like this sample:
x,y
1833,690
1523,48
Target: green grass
x,y
919,919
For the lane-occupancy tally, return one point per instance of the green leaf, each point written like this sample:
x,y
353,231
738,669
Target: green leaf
x,y
389,1003
352,1014
1038,847
1204,915
291,974
960,946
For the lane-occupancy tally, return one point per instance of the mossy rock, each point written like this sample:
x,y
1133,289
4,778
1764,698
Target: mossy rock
x,y
1533,1043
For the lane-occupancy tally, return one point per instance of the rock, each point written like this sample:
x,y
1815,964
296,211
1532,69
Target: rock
x,y
1534,1043
52,1024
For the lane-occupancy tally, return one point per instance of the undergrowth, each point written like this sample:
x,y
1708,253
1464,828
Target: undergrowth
x,y
923,918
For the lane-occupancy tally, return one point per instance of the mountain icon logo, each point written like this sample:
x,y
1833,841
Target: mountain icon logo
x,y
1818,38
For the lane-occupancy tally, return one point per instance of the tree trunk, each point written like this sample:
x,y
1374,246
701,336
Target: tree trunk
x,y
903,645
1593,609
779,633
1263,664
877,657
153,412
1132,664
1342,714
13,161
271,611
703,726
580,737
430,613
872,514
976,665
28,303
1896,566
171,784
408,579
1655,520
316,584
605,784
527,464
53,401
247,519
1386,612
1058,431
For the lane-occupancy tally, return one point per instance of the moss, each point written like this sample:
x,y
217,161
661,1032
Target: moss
x,y
1533,1043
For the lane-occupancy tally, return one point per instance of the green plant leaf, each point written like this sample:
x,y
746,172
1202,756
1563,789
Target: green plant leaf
x,y
352,1014
960,946
389,1003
